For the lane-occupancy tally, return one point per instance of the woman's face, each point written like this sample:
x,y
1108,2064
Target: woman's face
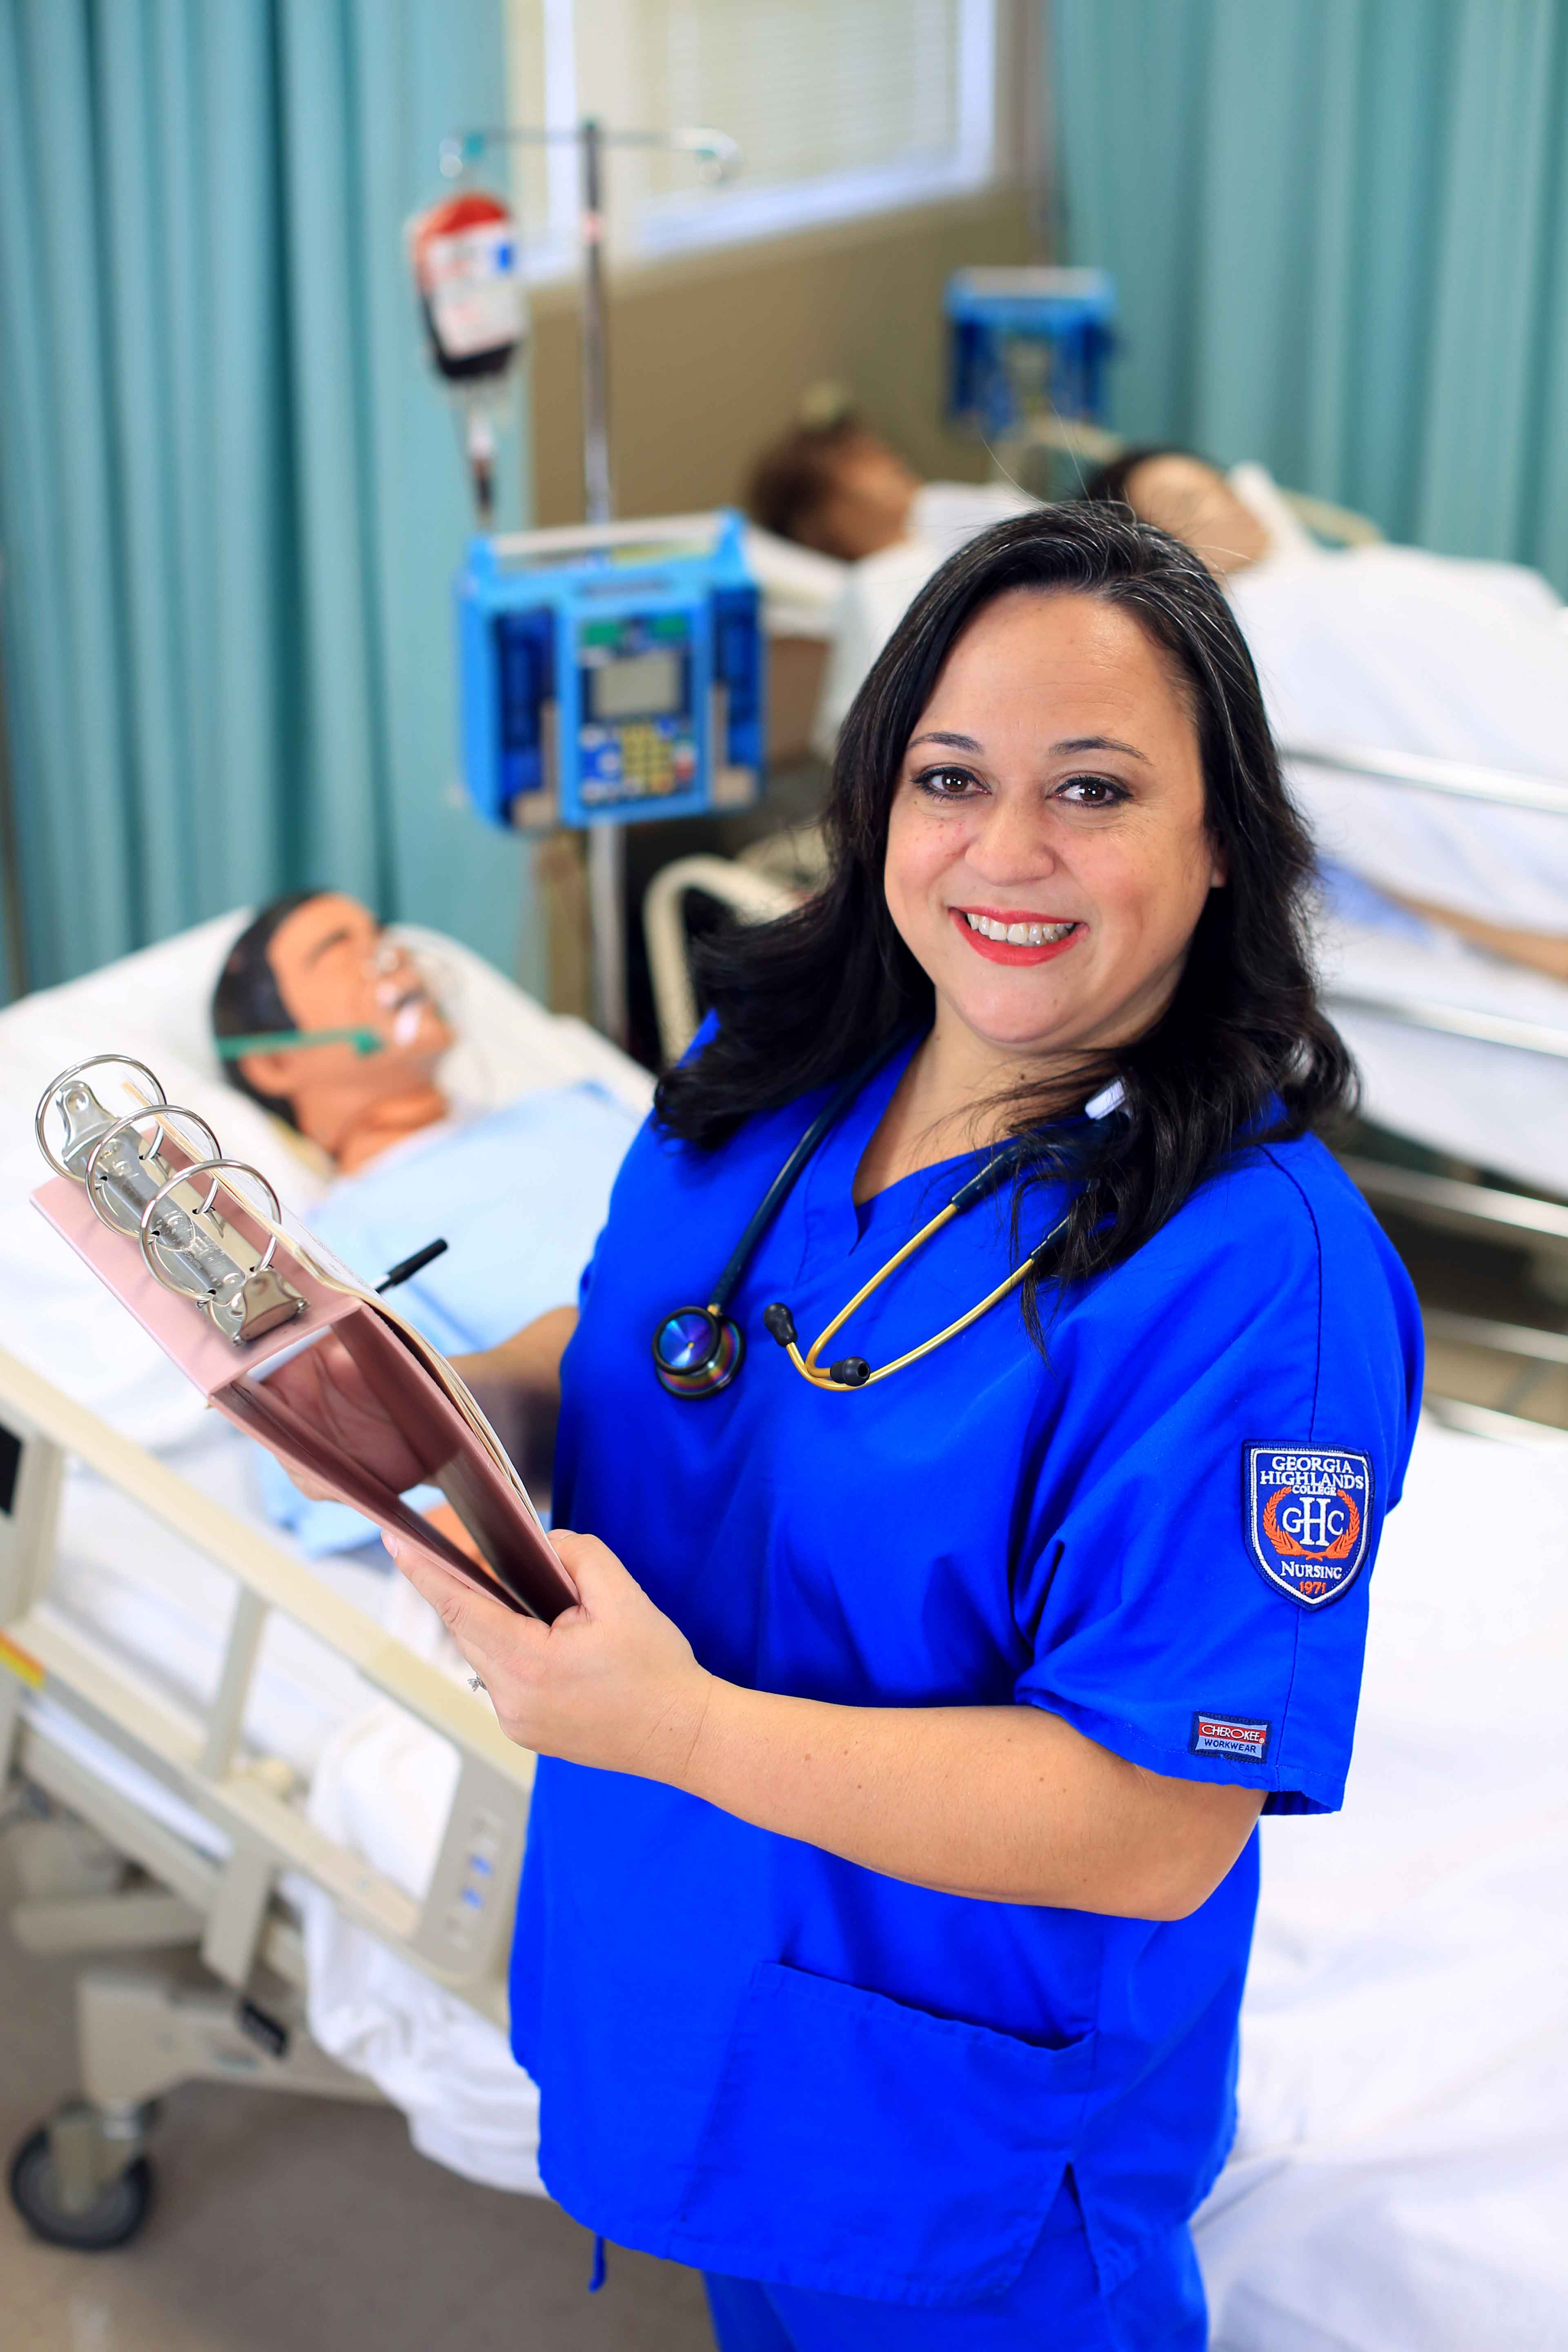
x,y
1047,856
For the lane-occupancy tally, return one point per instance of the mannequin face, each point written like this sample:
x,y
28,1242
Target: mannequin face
x,y
335,969
1195,504
867,505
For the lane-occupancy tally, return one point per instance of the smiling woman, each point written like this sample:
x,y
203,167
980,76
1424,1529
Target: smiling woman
x,y
1066,729
891,1865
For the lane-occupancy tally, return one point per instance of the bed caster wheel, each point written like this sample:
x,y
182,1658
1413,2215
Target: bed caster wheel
x,y
70,2186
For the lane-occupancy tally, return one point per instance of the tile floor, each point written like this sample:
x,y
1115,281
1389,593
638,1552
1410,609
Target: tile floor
x,y
288,2225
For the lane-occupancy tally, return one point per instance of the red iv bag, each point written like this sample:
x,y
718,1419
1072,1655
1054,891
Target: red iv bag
x,y
466,256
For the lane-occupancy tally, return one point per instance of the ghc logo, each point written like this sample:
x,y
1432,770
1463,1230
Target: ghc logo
x,y
1306,1519
1311,1526
1315,1520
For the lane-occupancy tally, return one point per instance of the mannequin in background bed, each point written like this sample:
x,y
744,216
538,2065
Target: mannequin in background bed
x,y
1406,651
842,490
317,961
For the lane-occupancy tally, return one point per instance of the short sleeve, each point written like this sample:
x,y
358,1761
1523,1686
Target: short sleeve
x,y
1193,1579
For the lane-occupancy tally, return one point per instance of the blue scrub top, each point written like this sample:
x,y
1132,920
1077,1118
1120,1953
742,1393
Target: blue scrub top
x,y
764,2061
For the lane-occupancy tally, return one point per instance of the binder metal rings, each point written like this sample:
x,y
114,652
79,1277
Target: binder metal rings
x,y
161,1113
150,1238
57,1087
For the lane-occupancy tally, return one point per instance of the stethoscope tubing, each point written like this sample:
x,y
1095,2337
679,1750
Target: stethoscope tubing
x,y
726,1344
807,1364
783,1183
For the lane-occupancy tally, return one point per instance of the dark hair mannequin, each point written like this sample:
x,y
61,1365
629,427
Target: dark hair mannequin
x,y
248,1002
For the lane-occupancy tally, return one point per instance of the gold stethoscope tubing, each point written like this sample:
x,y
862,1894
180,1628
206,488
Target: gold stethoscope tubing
x,y
807,1365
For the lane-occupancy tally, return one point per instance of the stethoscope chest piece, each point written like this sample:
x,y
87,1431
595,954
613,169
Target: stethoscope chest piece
x,y
697,1351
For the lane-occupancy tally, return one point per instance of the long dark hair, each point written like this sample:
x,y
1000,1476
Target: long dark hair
x,y
1242,1045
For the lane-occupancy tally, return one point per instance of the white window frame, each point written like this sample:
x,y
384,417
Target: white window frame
x,y
693,221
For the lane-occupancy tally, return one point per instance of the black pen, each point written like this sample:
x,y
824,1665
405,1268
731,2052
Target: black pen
x,y
408,1267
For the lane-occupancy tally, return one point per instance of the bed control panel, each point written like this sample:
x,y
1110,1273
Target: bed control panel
x,y
467,1910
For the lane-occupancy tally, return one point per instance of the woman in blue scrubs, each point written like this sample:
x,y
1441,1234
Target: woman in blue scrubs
x,y
893,1854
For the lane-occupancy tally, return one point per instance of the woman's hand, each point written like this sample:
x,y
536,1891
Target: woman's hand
x,y
612,1683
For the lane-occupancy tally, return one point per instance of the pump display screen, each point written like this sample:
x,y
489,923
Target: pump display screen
x,y
639,686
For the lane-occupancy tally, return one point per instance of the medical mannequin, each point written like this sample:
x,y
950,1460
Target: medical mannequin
x,y
413,1167
843,490
315,962
1401,650
1192,501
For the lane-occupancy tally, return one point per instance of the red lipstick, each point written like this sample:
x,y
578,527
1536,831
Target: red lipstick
x,y
1009,950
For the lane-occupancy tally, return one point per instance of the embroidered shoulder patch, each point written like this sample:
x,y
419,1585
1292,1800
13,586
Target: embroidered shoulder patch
x,y
1308,1512
1230,1734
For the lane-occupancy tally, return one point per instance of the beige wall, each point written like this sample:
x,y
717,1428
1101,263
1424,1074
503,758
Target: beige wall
x,y
708,357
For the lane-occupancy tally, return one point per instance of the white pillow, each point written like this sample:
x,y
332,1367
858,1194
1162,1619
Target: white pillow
x,y
1259,491
800,587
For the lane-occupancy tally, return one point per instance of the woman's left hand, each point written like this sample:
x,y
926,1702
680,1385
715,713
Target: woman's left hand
x,y
612,1683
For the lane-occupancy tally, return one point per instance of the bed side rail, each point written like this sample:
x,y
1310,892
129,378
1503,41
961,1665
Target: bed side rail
x,y
459,1933
754,897
1417,771
1454,780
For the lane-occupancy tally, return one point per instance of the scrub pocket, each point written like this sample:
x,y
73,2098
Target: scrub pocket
x,y
863,2147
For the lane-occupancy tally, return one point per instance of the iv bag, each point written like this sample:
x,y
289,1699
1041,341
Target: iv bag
x,y
467,259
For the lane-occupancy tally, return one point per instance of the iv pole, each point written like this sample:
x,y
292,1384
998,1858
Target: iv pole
x,y
718,157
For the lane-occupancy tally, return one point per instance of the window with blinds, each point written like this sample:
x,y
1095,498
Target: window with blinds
x,y
839,108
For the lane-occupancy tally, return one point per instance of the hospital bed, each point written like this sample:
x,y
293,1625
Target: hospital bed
x,y
192,1694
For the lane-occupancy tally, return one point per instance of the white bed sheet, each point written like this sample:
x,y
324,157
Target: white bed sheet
x,y
1502,1108
1410,652
1398,2178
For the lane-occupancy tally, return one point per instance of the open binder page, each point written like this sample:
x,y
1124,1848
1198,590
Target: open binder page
x,y
159,1264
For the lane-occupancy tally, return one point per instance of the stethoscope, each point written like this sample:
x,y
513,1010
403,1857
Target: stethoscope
x,y
697,1350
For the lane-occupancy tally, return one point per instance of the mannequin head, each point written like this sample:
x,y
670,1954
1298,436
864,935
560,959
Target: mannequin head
x,y
838,488
319,960
1189,499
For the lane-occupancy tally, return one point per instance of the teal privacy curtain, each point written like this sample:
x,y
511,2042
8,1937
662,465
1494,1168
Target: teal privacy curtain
x,y
1340,231
231,500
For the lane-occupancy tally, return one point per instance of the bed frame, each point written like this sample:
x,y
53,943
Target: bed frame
x,y
211,1988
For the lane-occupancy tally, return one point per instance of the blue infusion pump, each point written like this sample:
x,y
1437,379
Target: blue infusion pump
x,y
611,674
1023,341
